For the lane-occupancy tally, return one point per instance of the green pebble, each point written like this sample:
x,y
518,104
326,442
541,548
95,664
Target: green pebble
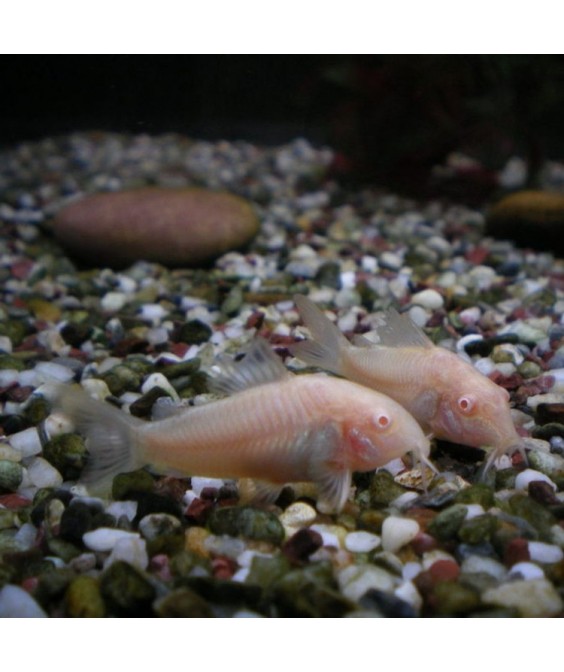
x,y
183,603
194,332
11,474
67,453
121,378
547,463
83,598
547,431
452,598
7,519
477,529
529,369
476,494
36,410
9,362
52,585
15,330
534,513
372,520
232,302
383,489
265,571
184,562
126,591
247,521
8,542
505,478
132,482
188,368
329,275
63,549
447,523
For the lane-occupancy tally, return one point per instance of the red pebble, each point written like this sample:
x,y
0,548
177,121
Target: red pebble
x,y
178,349
444,570
30,584
13,501
198,510
423,543
223,568
517,550
160,567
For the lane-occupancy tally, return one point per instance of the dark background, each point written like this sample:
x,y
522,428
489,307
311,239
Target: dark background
x,y
391,118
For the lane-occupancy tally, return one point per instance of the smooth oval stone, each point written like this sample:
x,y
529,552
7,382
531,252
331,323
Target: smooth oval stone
x,y
174,227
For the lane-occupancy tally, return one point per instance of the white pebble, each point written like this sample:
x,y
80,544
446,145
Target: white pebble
x,y
122,508
418,315
5,344
409,593
159,380
153,313
297,515
201,482
527,571
404,500
397,532
428,298
361,541
156,524
465,340
391,260
411,570
113,301
26,442
9,377
105,538
130,550
356,580
96,388
57,424
49,371
545,553
369,264
470,315
43,475
328,535
533,599
26,536
477,564
15,602
473,510
485,365
8,453
525,477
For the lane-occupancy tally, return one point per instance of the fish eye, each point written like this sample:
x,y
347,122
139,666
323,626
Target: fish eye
x,y
465,404
382,420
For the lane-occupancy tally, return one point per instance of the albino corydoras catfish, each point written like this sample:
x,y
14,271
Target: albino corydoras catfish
x,y
447,396
276,427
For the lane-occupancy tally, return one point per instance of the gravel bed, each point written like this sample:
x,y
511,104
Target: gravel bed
x,y
469,545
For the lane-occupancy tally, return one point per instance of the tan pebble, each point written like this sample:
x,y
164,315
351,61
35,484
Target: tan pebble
x,y
175,227
194,539
533,599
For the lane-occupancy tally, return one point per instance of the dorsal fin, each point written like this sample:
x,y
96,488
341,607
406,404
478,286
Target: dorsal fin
x,y
398,331
260,365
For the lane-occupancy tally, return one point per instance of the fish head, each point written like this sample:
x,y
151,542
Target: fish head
x,y
382,431
475,412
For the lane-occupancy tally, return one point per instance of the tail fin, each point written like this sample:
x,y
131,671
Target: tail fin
x,y
328,344
112,437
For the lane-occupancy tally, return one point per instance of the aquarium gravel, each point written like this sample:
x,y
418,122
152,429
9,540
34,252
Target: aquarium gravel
x,y
470,544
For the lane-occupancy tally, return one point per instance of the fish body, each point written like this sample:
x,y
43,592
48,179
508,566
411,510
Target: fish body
x,y
275,428
448,396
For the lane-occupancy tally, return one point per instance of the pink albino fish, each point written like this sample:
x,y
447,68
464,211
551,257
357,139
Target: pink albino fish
x,y
276,428
448,396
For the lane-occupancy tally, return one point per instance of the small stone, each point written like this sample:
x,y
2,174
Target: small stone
x,y
67,453
477,564
397,532
301,545
11,475
548,463
447,523
83,599
479,493
356,580
42,474
526,571
451,598
182,603
297,515
543,492
26,442
158,524
15,602
132,550
429,299
383,489
361,541
169,226
545,553
126,590
194,332
132,482
105,538
389,605
478,529
246,521
533,599
516,550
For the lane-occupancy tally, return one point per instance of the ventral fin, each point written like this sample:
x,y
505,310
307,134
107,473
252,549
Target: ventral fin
x,y
398,331
260,365
259,492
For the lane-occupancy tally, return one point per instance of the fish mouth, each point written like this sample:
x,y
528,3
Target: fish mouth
x,y
508,449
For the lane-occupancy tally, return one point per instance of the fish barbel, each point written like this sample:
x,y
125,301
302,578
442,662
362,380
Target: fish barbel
x,y
447,396
275,428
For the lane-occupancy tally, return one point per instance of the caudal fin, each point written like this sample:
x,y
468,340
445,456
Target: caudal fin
x,y
112,437
326,348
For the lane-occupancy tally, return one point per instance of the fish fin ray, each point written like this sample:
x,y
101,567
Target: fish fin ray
x,y
258,491
328,342
113,443
259,366
332,477
399,331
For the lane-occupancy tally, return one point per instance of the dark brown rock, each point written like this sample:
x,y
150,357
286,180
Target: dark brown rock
x,y
174,227
531,219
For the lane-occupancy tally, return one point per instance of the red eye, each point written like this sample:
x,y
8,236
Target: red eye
x,y
465,404
382,421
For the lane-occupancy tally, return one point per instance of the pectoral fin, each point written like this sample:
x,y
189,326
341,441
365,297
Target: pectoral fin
x,y
327,469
